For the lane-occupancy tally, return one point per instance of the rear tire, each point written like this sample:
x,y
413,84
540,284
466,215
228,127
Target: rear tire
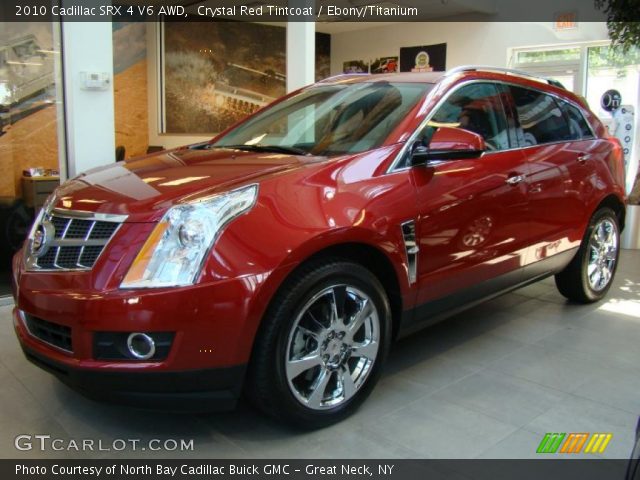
x,y
321,346
590,274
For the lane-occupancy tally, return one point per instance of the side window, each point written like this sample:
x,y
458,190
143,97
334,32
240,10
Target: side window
x,y
577,124
476,107
540,118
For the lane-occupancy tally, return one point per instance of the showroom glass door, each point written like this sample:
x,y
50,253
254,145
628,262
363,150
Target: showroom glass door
x,y
31,129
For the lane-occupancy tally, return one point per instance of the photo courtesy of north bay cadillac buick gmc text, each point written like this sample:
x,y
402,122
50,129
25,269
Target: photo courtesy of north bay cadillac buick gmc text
x,y
281,259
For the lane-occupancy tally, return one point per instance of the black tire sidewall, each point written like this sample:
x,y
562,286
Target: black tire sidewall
x,y
285,314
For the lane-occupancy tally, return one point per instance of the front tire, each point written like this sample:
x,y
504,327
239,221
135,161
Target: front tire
x,y
589,276
322,344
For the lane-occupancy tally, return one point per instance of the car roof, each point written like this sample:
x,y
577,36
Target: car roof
x,y
403,77
457,74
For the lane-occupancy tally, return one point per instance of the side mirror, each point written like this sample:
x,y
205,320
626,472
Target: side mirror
x,y
449,143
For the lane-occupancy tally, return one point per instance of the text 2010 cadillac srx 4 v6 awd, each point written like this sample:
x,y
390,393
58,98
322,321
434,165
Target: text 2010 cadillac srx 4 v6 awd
x,y
283,257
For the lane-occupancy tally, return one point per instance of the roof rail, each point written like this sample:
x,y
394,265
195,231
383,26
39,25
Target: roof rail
x,y
508,71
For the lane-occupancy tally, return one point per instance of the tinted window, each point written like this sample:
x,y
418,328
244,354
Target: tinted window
x,y
577,124
540,118
477,108
331,119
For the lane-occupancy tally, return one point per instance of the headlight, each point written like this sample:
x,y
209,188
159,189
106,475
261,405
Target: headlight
x,y
176,250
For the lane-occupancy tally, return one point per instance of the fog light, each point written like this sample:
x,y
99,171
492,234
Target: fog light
x,y
141,346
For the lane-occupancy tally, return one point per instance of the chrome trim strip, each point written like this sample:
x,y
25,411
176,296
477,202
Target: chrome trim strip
x,y
26,327
411,249
392,168
490,69
84,215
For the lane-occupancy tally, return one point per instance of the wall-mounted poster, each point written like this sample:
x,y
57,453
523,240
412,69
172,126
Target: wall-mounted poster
x,y
428,58
217,73
384,65
355,66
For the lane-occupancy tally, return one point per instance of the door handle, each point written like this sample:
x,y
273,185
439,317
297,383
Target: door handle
x,y
515,180
583,157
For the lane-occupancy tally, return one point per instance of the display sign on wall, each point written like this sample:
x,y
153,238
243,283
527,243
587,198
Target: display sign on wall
x,y
427,58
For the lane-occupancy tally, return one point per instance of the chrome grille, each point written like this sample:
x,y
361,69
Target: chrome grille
x,y
73,240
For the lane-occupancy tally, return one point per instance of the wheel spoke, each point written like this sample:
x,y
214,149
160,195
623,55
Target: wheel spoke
x,y
346,382
337,299
366,350
309,333
366,309
316,323
606,276
300,365
318,388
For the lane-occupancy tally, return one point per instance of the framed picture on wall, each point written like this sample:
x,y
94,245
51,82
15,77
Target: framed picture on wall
x,y
425,58
217,73
384,65
355,66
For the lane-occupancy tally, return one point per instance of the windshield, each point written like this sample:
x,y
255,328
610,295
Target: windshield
x,y
329,119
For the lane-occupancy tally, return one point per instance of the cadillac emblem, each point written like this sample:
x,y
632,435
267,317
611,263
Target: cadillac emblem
x,y
42,236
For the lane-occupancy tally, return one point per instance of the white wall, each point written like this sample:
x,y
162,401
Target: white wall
x,y
479,43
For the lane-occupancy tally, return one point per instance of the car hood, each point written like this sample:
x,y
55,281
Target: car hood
x,y
146,187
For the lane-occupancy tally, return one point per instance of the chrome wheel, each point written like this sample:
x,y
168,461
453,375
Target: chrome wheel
x,y
332,347
603,253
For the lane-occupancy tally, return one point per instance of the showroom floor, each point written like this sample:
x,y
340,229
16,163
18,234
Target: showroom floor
x,y
488,383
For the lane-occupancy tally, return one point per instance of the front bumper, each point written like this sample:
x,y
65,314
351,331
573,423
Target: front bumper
x,y
214,326
188,391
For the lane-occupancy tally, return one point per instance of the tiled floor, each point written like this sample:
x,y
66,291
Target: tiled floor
x,y
485,384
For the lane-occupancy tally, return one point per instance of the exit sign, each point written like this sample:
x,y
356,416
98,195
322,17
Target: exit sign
x,y
565,21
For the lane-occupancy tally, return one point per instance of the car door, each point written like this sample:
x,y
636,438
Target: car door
x,y
555,153
472,229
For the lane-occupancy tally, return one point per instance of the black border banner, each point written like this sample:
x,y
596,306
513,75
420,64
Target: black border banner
x,y
564,13
545,468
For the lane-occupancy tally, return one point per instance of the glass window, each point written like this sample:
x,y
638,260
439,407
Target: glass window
x,y
608,69
331,119
545,56
477,108
31,122
540,117
578,126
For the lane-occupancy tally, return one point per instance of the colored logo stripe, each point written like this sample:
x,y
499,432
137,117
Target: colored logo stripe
x,y
550,443
574,442
598,443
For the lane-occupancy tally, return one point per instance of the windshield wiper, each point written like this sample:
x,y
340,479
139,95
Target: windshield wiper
x,y
265,148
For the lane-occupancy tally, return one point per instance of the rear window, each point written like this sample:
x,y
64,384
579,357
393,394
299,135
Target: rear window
x,y
578,126
540,117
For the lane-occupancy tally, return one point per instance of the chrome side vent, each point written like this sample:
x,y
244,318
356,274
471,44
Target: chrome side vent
x,y
411,249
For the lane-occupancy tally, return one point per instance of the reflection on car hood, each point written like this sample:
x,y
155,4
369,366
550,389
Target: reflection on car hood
x,y
144,188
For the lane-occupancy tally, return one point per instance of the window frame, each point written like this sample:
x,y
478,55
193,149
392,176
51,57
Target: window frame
x,y
399,163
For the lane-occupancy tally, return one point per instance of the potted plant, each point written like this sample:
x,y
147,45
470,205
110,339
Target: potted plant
x,y
624,31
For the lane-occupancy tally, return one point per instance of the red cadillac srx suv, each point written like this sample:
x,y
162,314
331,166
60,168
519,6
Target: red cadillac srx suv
x,y
283,257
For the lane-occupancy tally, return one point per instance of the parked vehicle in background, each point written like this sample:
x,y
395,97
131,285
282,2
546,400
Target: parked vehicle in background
x,y
284,256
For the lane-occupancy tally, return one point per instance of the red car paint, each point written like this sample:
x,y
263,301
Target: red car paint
x,y
470,225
